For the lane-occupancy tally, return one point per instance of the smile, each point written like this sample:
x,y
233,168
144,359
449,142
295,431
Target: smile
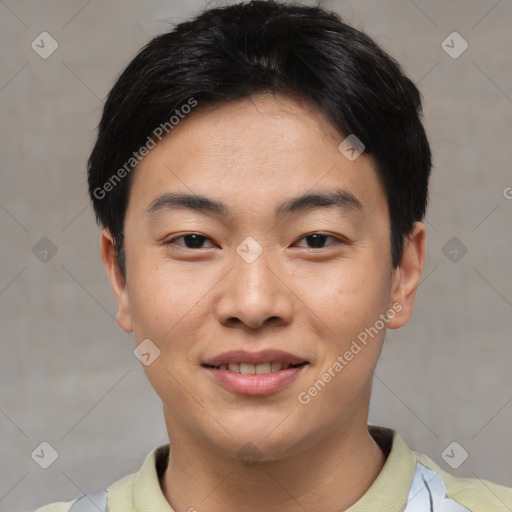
x,y
255,373
256,369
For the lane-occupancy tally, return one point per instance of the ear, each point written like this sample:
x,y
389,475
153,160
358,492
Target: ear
x,y
117,281
407,276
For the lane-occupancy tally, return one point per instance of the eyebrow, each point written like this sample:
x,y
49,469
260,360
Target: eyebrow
x,y
337,198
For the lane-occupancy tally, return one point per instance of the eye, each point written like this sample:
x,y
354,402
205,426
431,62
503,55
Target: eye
x,y
317,240
191,240
196,240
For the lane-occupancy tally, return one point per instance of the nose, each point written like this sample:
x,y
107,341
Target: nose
x,y
255,294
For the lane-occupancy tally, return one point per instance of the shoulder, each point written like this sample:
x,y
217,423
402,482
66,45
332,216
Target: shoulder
x,y
118,493
61,506
475,494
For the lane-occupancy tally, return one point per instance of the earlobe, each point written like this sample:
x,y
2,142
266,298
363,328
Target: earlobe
x,y
407,276
117,281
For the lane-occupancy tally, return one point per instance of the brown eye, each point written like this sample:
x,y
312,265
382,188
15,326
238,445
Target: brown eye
x,y
191,241
317,240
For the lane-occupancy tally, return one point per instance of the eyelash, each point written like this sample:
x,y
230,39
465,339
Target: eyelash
x,y
336,239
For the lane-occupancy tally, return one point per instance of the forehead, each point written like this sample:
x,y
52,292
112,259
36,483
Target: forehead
x,y
252,154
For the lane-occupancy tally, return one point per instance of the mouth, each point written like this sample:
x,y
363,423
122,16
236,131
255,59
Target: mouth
x,y
256,369
255,373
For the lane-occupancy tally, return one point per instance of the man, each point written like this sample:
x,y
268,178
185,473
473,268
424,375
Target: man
x,y
228,150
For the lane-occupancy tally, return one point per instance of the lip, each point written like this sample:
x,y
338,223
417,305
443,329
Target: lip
x,y
263,356
255,385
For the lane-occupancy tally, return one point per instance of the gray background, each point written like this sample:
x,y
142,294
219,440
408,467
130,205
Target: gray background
x,y
67,372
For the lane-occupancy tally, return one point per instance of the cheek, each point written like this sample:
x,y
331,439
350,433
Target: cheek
x,y
163,299
166,307
351,297
350,305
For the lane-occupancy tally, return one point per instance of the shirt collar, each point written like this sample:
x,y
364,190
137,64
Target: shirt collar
x,y
390,489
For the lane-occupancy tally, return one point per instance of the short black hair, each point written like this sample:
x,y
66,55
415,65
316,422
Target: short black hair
x,y
232,52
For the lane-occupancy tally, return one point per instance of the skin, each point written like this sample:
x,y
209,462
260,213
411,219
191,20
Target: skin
x,y
310,300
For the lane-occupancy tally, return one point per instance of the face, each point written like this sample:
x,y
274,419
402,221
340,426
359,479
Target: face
x,y
265,296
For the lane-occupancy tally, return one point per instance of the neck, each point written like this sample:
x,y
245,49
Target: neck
x,y
330,475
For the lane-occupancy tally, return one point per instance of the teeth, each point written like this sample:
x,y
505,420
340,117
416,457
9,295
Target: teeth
x,y
276,366
255,369
262,369
247,369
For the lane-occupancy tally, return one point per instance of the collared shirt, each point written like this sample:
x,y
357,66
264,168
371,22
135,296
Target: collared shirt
x,y
408,482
